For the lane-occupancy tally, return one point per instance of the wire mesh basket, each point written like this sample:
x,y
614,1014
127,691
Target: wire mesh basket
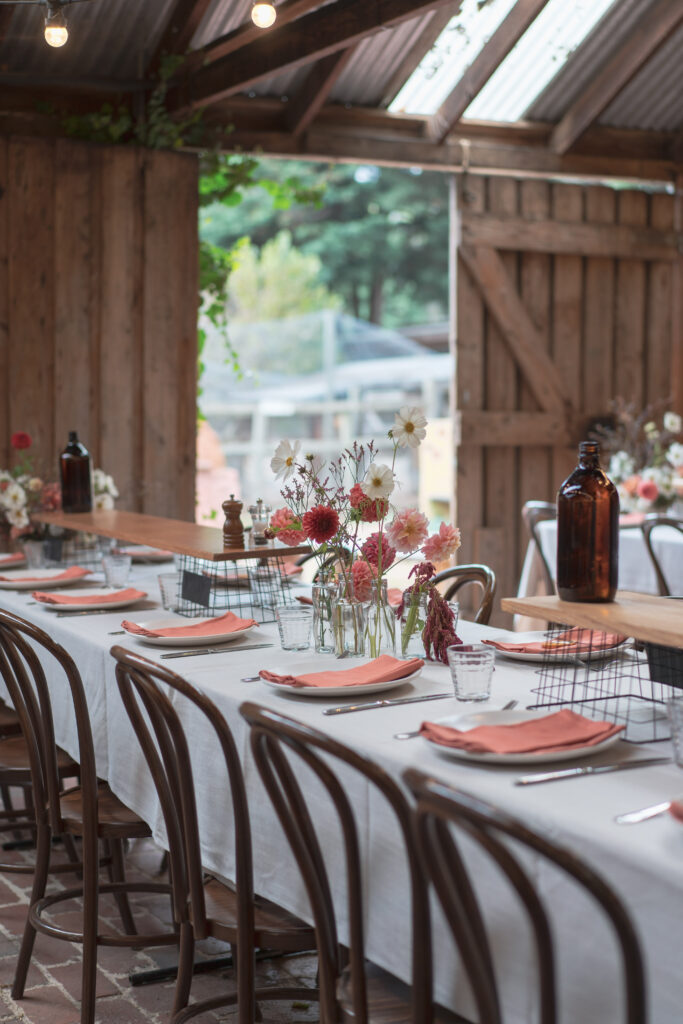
x,y
70,547
249,587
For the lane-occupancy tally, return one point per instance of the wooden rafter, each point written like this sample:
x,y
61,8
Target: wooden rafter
x,y
327,30
490,57
315,89
418,51
645,39
181,26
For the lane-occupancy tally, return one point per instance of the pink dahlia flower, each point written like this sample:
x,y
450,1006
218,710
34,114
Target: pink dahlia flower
x,y
320,523
363,574
286,528
443,544
371,509
648,490
371,551
408,530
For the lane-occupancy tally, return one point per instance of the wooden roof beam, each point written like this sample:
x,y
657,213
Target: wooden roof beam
x,y
648,35
327,30
418,51
185,18
319,82
489,58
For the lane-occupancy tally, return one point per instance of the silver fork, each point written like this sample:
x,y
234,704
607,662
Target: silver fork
x,y
410,735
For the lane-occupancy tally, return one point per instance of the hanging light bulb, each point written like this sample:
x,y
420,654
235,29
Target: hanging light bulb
x,y
56,33
263,14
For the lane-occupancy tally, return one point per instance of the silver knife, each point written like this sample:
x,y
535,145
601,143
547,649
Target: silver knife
x,y
213,650
633,817
569,773
91,611
346,708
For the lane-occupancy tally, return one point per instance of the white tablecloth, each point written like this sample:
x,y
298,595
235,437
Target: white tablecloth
x,y
644,863
635,565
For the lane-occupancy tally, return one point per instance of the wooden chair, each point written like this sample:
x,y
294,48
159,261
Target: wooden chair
x,y
89,811
650,523
341,554
460,575
359,992
443,814
205,908
533,513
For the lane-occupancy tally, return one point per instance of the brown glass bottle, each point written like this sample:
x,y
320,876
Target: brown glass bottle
x,y
587,531
75,475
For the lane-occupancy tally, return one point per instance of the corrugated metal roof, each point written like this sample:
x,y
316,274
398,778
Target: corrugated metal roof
x,y
653,100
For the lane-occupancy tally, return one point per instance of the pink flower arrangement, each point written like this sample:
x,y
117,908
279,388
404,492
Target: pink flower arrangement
x,y
371,511
287,528
648,490
378,551
408,531
443,544
321,523
362,576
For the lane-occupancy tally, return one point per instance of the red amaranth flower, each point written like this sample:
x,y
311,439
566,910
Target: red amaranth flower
x,y
371,551
370,510
20,440
320,523
438,633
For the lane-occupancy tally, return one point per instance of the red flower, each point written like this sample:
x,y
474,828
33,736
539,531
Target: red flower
x,y
21,440
370,551
370,511
320,523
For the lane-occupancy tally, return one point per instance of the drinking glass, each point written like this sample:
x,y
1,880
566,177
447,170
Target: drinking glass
x,y
294,625
169,588
471,668
674,707
116,569
455,608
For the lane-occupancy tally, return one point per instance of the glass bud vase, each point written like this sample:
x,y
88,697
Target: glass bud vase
x,y
413,618
348,622
323,595
380,630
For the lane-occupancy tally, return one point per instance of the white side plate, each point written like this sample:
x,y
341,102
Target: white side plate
x,y
94,605
37,579
335,691
172,621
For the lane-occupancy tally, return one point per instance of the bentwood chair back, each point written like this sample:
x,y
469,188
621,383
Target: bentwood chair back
x,y
355,992
341,554
650,523
204,908
533,513
89,811
460,575
443,816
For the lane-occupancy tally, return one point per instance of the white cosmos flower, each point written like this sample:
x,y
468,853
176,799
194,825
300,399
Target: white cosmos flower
x,y
104,502
621,466
378,482
675,454
283,462
14,497
673,422
18,518
409,427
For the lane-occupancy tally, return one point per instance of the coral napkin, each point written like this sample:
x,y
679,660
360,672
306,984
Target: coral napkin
x,y
572,641
74,573
228,623
563,730
676,809
292,569
118,595
380,670
7,560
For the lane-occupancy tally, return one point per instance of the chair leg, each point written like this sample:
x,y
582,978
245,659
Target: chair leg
x,y
244,961
70,848
43,847
117,873
185,968
90,921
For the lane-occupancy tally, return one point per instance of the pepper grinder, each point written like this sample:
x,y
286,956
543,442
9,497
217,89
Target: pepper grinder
x,y
233,534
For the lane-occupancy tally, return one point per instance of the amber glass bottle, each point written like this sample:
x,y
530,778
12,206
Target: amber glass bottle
x,y
587,531
75,475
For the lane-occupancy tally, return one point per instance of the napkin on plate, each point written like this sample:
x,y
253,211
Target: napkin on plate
x,y
73,573
118,595
572,641
676,809
563,730
7,560
228,623
379,670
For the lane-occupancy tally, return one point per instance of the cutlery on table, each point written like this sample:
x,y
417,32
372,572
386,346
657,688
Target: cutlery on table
x,y
416,732
644,814
227,649
91,611
346,708
116,632
599,769
250,679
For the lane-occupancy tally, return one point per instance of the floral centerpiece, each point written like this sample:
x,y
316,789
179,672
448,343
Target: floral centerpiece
x,y
333,505
646,457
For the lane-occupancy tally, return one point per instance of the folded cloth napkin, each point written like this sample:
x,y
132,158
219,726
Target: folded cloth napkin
x,y
118,595
16,559
73,573
380,670
563,730
572,641
676,809
292,569
304,599
228,623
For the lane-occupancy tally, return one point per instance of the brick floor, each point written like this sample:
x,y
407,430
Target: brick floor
x,y
54,980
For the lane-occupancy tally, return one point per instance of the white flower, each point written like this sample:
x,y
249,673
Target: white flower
x,y
104,502
675,455
621,466
662,476
283,462
18,518
673,422
99,478
378,482
650,430
35,484
14,497
111,487
409,427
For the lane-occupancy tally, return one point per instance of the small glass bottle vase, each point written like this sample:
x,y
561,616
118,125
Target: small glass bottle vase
x,y
381,623
323,595
348,622
412,623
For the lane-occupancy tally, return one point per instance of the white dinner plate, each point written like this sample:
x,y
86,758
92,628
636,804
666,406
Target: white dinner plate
x,y
141,553
474,718
553,653
335,691
37,579
94,605
168,622
12,560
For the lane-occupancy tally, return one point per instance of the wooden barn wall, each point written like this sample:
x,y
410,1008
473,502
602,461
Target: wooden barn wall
x,y
98,312
553,320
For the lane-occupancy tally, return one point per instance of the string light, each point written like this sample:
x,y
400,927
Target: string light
x,y
263,14
56,33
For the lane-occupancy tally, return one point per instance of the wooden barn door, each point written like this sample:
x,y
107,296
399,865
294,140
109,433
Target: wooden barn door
x,y
564,301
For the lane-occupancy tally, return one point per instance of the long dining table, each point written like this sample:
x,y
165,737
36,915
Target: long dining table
x,y
644,863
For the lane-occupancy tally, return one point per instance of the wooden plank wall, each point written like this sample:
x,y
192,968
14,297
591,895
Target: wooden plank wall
x,y
602,313
98,312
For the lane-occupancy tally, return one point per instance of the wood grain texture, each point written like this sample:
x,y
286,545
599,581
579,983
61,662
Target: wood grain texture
x,y
659,309
630,309
598,312
4,303
677,307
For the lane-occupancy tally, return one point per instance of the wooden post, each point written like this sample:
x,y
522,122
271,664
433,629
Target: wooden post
x,y
677,303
